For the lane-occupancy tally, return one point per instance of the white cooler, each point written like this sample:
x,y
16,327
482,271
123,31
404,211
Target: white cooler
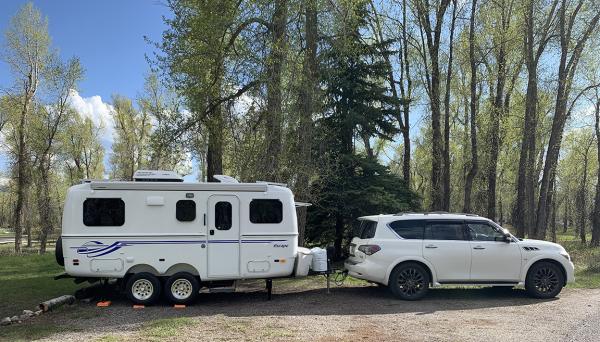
x,y
303,261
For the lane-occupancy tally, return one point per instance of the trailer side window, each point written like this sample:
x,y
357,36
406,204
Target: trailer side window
x,y
266,211
223,215
103,212
185,210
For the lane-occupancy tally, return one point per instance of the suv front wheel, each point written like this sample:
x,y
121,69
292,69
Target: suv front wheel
x,y
544,280
409,281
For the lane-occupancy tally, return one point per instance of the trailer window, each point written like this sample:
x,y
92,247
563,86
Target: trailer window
x,y
266,211
103,212
223,215
185,210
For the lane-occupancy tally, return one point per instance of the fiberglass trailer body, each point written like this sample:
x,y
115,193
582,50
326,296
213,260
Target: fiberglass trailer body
x,y
158,232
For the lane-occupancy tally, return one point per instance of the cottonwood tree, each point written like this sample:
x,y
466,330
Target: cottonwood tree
x,y
431,26
82,152
48,125
27,53
537,36
573,35
130,150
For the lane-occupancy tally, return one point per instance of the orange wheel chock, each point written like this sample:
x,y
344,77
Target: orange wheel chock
x,y
136,306
179,306
103,304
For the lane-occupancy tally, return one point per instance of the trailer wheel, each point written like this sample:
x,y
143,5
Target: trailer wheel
x,y
143,288
181,288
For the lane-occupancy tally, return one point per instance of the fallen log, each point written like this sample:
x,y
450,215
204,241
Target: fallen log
x,y
56,302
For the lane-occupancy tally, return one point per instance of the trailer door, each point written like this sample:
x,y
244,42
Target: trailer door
x,y
223,236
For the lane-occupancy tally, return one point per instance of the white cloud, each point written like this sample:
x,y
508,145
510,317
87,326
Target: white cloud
x,y
94,108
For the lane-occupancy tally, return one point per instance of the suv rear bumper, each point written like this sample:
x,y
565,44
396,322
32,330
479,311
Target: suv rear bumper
x,y
366,270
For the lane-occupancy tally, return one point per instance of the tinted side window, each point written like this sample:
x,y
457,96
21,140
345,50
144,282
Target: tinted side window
x,y
444,230
481,231
368,231
185,210
409,229
266,211
223,215
103,212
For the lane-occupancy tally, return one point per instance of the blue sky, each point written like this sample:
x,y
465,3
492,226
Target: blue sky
x,y
107,35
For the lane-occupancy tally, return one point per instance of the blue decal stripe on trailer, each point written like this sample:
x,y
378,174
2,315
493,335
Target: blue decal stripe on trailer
x,y
96,248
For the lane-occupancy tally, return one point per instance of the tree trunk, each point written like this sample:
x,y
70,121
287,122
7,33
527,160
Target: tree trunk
x,y
473,109
214,154
274,117
307,108
44,205
22,170
446,171
596,214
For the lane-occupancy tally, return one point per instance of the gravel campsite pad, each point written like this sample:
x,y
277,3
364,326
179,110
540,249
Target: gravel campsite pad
x,y
353,312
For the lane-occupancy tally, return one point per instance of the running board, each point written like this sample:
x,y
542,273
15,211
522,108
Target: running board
x,y
220,289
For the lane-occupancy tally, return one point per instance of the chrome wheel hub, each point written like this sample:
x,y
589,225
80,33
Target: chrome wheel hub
x,y
142,289
181,288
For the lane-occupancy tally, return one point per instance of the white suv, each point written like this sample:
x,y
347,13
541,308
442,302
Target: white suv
x,y
408,252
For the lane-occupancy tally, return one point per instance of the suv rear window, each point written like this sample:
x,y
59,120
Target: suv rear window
x,y
409,229
444,230
367,229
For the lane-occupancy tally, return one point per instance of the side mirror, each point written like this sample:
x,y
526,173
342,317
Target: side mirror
x,y
508,238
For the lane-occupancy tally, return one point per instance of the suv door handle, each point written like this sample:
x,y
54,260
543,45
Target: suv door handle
x,y
478,247
430,246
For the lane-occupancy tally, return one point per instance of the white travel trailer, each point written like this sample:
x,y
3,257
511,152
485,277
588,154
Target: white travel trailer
x,y
158,234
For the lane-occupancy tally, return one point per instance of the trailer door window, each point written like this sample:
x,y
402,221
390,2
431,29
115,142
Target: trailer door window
x,y
266,211
223,215
185,210
103,212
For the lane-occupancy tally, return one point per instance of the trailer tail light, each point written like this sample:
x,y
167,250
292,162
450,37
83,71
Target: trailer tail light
x,y
75,262
369,249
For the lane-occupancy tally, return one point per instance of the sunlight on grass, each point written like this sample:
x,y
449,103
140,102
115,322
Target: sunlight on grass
x,y
164,328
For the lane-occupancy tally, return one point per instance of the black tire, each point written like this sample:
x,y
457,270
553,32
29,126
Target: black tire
x,y
143,288
58,252
409,281
544,280
181,288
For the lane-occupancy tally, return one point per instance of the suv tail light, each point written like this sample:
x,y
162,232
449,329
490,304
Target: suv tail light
x,y
369,249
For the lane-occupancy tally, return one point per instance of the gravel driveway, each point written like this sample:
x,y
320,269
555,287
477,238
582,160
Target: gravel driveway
x,y
348,313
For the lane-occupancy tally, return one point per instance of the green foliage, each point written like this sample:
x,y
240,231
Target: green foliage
x,y
351,184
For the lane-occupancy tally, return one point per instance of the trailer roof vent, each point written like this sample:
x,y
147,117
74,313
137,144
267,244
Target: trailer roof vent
x,y
225,179
156,176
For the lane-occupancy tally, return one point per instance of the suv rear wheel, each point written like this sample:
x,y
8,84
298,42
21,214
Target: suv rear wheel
x,y
409,281
544,280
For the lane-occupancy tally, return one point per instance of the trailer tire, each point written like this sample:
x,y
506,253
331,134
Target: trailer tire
x,y
182,288
58,252
143,288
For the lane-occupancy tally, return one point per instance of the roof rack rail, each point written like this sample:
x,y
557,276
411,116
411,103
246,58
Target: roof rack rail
x,y
404,213
435,212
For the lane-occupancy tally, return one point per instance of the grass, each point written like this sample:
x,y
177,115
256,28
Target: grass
x,y
585,258
29,332
164,328
27,279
